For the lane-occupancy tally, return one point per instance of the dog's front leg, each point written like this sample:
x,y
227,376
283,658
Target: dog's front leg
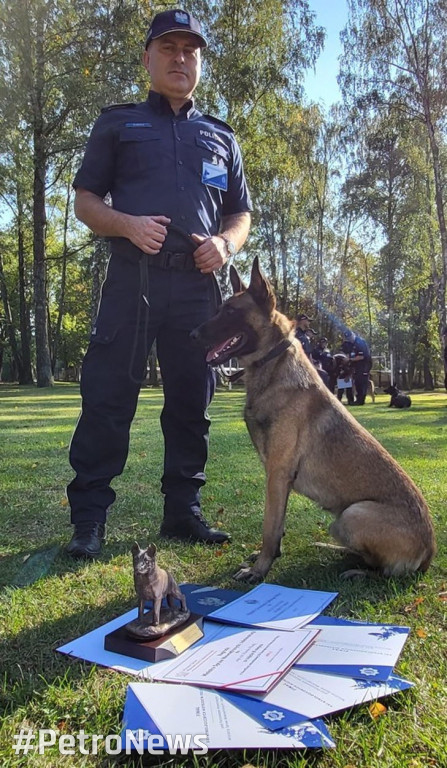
x,y
277,494
156,610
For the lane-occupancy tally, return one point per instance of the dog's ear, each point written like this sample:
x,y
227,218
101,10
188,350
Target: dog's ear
x,y
237,283
260,288
135,548
151,550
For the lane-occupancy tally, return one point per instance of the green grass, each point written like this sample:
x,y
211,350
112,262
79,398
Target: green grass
x,y
42,689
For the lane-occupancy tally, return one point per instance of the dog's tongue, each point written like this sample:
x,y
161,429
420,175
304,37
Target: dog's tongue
x,y
215,351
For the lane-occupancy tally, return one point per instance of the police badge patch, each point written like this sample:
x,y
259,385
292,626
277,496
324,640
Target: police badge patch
x,y
181,17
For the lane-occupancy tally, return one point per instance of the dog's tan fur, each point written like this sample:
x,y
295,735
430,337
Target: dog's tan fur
x,y
310,443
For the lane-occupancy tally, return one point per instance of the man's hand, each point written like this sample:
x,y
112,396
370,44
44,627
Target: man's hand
x,y
211,253
148,233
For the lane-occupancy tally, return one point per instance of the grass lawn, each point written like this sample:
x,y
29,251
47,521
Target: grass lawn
x,y
46,599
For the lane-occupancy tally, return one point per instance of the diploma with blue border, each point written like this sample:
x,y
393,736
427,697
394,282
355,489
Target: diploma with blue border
x,y
274,607
161,714
354,649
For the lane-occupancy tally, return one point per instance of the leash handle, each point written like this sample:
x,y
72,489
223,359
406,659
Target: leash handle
x,y
182,232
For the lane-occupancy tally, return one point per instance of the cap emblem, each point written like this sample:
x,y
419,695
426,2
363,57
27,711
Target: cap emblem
x,y
181,17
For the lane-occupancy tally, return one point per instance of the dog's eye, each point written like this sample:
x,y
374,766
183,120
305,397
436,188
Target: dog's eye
x,y
229,310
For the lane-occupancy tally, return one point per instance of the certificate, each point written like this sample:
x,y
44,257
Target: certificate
x,y
165,714
237,659
274,607
354,649
303,695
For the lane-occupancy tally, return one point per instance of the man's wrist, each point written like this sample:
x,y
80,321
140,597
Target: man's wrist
x,y
230,246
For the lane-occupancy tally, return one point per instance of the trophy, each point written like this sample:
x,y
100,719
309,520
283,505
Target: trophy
x,y
166,629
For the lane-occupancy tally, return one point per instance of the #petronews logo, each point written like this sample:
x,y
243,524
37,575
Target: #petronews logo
x,y
140,741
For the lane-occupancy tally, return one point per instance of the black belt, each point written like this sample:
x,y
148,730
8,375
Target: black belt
x,y
171,260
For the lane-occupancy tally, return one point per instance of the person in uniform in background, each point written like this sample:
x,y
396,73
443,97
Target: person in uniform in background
x,y
321,354
359,355
303,331
180,208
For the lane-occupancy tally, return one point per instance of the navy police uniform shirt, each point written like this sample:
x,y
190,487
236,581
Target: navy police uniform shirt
x,y
304,339
356,348
152,162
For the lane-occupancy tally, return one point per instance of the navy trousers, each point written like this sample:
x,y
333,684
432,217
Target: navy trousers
x,y
114,366
361,386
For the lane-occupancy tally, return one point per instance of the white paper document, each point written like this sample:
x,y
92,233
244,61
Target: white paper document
x,y
303,695
237,659
274,607
354,649
162,714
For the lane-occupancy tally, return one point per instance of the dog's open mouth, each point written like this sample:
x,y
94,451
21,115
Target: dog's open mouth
x,y
224,351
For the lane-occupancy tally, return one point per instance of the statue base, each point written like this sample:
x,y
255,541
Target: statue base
x,y
142,640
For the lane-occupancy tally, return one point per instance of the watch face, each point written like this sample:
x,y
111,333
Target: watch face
x,y
231,247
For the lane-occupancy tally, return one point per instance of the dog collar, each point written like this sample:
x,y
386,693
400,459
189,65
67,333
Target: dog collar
x,y
275,352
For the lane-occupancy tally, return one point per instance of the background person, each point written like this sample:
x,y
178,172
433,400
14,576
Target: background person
x,y
321,354
180,208
359,355
303,331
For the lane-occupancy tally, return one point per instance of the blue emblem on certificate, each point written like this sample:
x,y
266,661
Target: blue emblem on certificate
x,y
214,175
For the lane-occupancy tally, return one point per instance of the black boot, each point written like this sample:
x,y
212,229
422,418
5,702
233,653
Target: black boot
x,y
194,527
86,540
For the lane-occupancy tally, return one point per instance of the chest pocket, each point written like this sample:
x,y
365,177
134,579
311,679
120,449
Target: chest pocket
x,y
212,151
139,147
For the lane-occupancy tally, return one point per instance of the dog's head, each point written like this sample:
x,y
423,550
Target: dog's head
x,y
242,321
391,390
143,559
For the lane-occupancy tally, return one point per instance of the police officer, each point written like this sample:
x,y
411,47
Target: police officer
x,y
302,332
180,209
359,355
321,355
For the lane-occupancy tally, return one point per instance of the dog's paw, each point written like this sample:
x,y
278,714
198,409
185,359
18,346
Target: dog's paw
x,y
247,574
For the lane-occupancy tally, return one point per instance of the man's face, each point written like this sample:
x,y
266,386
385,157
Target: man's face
x,y
304,324
174,64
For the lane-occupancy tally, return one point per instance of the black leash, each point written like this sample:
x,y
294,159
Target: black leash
x,y
143,296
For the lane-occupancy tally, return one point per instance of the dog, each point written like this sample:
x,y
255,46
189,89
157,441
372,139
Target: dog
x,y
306,440
397,399
153,583
342,367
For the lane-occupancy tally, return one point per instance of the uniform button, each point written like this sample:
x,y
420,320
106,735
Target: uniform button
x,y
178,138
180,162
183,218
182,189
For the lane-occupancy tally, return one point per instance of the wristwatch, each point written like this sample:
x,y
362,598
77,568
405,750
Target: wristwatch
x,y
231,248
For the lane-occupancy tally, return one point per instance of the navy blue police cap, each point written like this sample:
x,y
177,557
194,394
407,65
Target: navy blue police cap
x,y
175,20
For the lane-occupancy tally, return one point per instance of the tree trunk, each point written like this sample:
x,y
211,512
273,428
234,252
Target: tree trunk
x,y
26,374
61,305
10,327
43,358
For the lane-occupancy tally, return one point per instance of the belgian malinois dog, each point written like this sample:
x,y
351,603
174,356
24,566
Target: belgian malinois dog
x,y
310,443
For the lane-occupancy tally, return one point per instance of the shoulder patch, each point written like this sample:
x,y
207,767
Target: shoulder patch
x,y
118,106
220,122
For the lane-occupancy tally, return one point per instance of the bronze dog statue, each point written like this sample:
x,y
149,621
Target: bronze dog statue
x,y
153,583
